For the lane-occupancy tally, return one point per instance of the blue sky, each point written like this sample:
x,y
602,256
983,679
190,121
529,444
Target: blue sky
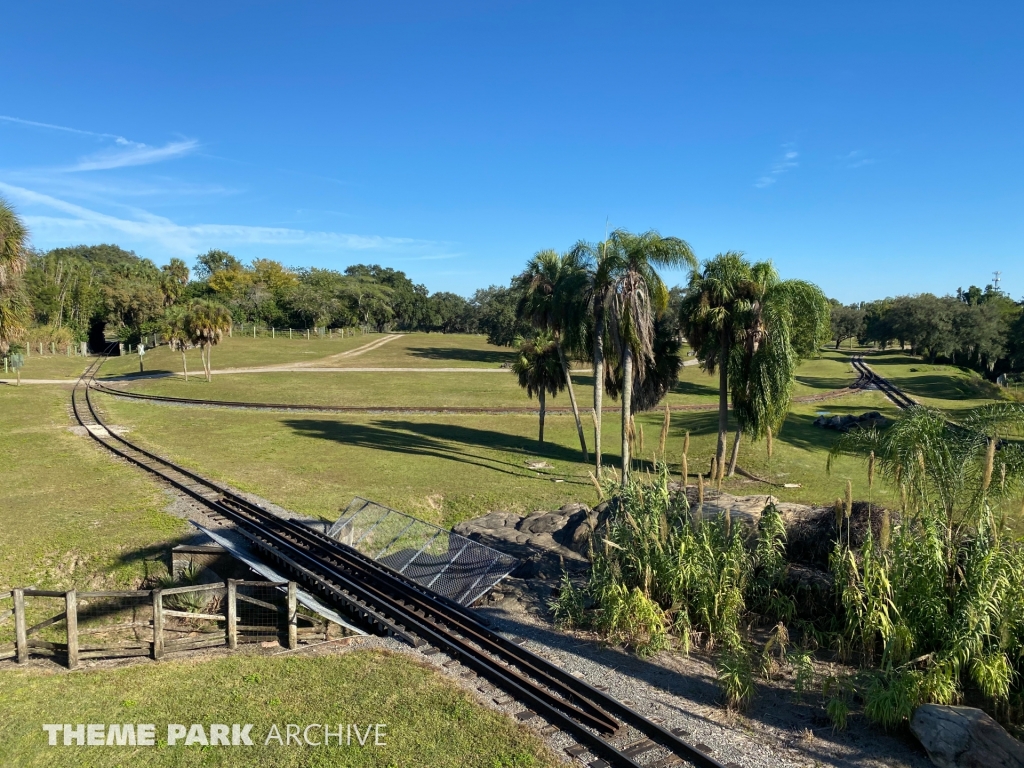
x,y
875,148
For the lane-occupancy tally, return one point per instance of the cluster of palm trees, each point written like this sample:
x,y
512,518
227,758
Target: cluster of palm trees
x,y
197,324
13,305
606,303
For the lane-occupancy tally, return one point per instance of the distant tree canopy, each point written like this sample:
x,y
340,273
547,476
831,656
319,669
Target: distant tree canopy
x,y
87,291
976,328
90,290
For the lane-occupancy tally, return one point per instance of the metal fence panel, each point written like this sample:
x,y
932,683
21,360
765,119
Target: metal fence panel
x,y
436,558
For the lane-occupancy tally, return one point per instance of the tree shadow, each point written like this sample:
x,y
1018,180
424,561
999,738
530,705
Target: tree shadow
x,y
693,389
826,383
799,430
440,441
934,385
487,356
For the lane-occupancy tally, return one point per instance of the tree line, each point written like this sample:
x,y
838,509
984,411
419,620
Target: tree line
x,y
979,329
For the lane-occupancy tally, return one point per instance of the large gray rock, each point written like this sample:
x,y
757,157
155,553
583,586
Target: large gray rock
x,y
965,737
546,542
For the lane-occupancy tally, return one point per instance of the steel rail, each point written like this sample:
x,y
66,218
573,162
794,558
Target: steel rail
x,y
890,390
334,568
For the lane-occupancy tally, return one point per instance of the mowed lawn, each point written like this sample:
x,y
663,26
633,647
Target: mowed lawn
x,y
239,351
488,387
447,468
429,722
70,516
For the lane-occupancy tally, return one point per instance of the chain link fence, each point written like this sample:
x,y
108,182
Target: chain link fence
x,y
440,560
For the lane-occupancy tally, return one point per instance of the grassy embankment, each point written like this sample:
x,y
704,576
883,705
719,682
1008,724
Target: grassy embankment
x,y
429,721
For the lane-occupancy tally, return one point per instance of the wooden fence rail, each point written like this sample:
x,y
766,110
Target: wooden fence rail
x,y
163,628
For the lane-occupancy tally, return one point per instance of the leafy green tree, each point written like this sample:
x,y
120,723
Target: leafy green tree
x,y
554,300
847,322
742,320
14,305
497,316
639,296
539,370
213,261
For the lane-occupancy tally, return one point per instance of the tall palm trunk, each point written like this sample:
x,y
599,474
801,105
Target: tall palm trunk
x,y
572,400
723,399
184,365
735,452
540,396
627,396
598,385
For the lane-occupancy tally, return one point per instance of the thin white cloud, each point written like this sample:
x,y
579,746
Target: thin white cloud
x,y
127,153
138,154
856,159
178,239
781,166
118,139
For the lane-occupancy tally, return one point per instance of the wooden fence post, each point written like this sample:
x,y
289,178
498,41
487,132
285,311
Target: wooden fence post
x,y
232,614
71,608
20,638
293,616
158,623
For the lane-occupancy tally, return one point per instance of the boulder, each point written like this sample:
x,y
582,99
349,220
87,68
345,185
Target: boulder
x,y
965,737
546,542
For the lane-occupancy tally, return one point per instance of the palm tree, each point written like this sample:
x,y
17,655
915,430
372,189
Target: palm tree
x,y
208,323
13,304
554,299
602,286
174,278
539,369
639,295
177,327
750,326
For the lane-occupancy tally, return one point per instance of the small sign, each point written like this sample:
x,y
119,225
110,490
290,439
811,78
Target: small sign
x,y
142,349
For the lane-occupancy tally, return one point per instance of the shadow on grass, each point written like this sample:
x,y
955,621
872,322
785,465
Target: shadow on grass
x,y
692,389
824,383
443,441
948,387
494,357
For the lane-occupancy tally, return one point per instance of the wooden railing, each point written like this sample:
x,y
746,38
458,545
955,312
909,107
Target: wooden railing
x,y
156,621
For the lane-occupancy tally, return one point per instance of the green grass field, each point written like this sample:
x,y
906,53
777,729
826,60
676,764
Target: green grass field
x,y
239,351
430,723
431,350
493,388
70,516
74,517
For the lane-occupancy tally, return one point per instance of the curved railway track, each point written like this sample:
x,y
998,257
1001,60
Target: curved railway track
x,y
389,604
887,388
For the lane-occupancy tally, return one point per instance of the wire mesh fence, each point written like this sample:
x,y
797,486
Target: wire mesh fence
x,y
440,560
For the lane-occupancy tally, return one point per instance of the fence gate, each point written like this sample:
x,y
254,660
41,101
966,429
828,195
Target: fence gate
x,y
440,560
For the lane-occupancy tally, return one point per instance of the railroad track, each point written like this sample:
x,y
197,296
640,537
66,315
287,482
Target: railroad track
x,y
389,604
897,396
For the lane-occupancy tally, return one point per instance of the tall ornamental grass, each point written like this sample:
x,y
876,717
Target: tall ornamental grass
x,y
665,576
932,608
